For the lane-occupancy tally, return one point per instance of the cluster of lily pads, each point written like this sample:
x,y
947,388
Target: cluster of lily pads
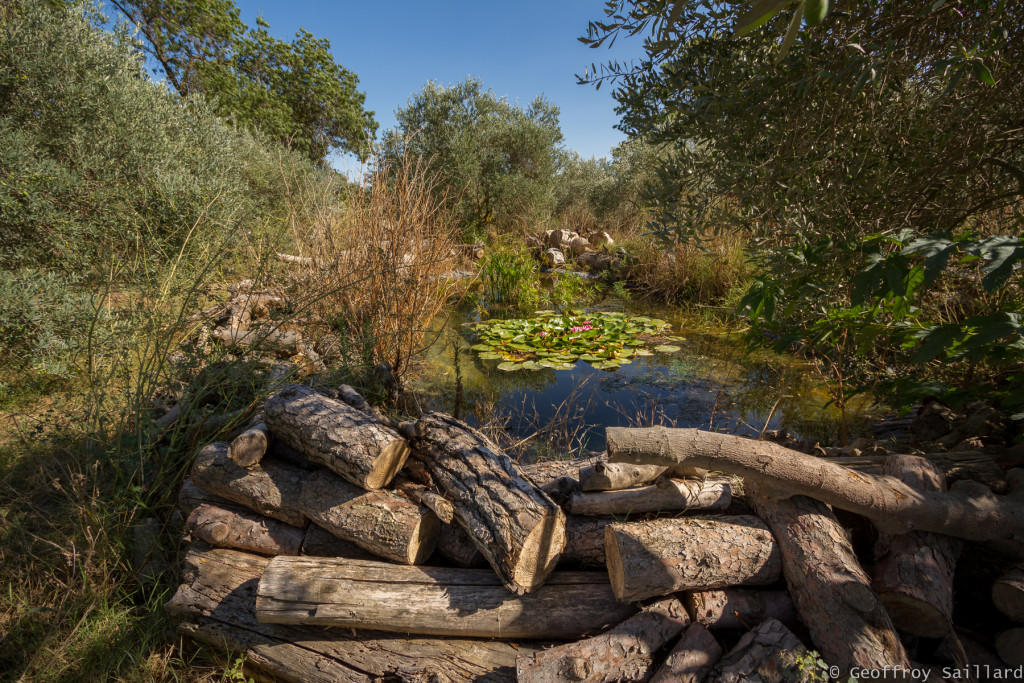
x,y
557,341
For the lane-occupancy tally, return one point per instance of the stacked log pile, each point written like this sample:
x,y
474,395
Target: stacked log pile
x,y
330,542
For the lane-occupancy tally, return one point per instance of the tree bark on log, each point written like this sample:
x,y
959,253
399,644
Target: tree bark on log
x,y
433,600
624,653
913,573
832,593
691,659
217,604
287,341
615,476
760,656
955,465
738,608
444,510
386,524
249,447
662,556
893,506
1010,646
665,495
1008,593
191,496
547,472
584,541
319,542
458,548
272,489
248,531
515,525
347,441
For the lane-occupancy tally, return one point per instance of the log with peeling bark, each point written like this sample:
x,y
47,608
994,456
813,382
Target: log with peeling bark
x,y
662,556
624,653
584,540
546,472
270,488
216,605
665,495
760,655
832,593
1010,646
615,476
433,600
248,531
516,526
319,542
913,573
455,545
249,447
691,659
1008,593
332,433
384,523
739,608
893,506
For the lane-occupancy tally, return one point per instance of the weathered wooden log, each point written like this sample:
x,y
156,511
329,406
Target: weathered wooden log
x,y
763,654
913,573
433,600
665,495
1008,593
248,531
217,606
615,476
1010,646
191,496
455,545
975,465
444,510
270,488
547,472
893,506
833,595
691,659
739,608
584,541
624,653
332,433
386,524
290,258
319,542
515,525
662,556
249,447
283,340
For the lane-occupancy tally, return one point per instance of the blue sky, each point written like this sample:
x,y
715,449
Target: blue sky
x,y
518,48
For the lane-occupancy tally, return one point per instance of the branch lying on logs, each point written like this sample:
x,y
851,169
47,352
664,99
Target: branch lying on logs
x,y
739,608
665,495
691,658
289,258
615,476
624,653
433,600
547,472
893,506
662,556
223,528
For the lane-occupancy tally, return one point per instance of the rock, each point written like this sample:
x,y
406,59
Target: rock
x,y
554,258
934,421
579,246
602,239
561,239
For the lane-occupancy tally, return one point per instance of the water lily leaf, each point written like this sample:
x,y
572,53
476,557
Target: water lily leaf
x,y
666,348
509,366
532,365
643,352
606,365
490,355
482,347
591,358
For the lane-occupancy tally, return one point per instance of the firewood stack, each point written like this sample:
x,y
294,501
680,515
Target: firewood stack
x,y
445,561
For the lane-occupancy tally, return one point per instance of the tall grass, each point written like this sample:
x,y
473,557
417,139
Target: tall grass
x,y
510,277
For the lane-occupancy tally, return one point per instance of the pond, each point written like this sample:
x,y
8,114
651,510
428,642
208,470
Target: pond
x,y
709,383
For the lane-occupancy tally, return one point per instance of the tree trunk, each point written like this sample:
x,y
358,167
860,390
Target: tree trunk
x,y
665,495
584,541
386,524
223,528
1008,593
272,489
1010,646
691,659
331,433
662,556
217,604
319,542
760,656
913,572
740,609
893,506
515,525
432,600
455,545
249,447
625,653
847,621
609,476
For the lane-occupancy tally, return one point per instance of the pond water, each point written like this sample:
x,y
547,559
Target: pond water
x,y
710,383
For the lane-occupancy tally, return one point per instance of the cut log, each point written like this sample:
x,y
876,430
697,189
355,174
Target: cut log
x,y
662,556
763,654
665,495
384,523
625,653
893,506
318,542
223,528
1008,593
287,341
332,433
1010,646
433,600
691,659
738,608
609,476
270,488
456,546
846,619
191,496
547,472
913,572
515,525
249,447
584,541
444,510
290,258
217,606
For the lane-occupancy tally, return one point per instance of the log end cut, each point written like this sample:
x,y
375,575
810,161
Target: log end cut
x,y
540,553
385,466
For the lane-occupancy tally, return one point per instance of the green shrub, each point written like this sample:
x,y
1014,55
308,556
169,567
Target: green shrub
x,y
510,277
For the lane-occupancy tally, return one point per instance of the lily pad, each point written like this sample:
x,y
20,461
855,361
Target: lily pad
x,y
666,348
510,366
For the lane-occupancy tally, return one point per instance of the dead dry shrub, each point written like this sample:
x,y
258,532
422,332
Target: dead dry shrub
x,y
705,273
